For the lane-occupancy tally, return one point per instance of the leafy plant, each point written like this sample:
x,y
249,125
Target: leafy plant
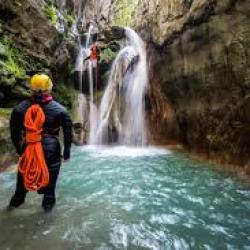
x,y
69,19
51,12
107,55
14,68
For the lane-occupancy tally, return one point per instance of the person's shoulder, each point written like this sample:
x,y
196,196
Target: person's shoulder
x,y
58,106
22,106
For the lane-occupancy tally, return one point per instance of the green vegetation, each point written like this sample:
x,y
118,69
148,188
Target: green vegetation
x,y
14,68
125,13
5,112
51,2
65,94
69,19
107,55
11,58
51,12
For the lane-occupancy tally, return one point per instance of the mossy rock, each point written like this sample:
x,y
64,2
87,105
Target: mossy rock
x,y
3,52
64,94
7,81
20,92
3,70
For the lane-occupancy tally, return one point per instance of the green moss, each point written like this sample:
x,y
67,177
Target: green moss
x,y
12,58
51,12
12,66
125,13
64,94
69,19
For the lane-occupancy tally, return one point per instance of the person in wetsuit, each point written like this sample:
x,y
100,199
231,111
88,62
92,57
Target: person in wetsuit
x,y
94,58
56,116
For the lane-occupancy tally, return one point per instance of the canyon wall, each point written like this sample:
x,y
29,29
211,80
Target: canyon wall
x,y
199,60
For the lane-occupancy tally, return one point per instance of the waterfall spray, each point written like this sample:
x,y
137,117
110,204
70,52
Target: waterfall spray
x,y
122,109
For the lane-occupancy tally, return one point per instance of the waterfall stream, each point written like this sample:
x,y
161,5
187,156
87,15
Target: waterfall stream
x,y
121,116
92,106
84,66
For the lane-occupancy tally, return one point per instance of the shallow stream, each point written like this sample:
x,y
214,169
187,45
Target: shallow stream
x,y
130,198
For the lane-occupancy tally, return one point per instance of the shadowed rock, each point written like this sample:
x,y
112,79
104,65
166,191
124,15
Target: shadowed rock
x,y
114,33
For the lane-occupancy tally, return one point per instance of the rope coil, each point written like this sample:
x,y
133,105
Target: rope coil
x,y
32,163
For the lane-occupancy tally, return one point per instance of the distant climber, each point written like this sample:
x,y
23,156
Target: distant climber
x,y
93,56
94,53
34,126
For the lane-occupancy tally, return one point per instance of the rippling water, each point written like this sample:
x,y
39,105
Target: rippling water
x,y
128,198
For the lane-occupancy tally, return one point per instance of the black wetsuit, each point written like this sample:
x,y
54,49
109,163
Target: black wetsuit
x,y
56,116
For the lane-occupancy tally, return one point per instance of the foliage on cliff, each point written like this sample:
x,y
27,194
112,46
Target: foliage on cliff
x,y
125,11
51,12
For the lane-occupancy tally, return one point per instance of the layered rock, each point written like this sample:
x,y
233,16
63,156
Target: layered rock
x,y
28,26
199,73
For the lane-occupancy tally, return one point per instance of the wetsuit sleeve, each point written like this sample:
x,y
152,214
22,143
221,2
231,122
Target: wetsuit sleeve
x,y
16,126
66,124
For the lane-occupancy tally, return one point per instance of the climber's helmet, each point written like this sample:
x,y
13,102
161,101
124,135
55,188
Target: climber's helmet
x,y
41,82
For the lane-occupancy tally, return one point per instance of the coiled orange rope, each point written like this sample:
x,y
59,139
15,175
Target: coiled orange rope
x,y
32,164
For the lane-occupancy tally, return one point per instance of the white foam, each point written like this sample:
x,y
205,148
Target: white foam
x,y
123,151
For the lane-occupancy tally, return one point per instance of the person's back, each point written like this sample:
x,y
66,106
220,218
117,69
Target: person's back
x,y
56,116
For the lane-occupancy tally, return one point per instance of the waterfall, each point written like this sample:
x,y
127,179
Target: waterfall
x,y
82,67
122,110
88,39
93,112
79,67
83,53
135,85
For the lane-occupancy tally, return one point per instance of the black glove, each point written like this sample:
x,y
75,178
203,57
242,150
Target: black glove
x,y
19,152
19,149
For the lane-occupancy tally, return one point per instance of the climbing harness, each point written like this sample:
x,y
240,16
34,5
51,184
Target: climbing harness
x,y
32,164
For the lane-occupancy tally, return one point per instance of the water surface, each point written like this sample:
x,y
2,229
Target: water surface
x,y
128,198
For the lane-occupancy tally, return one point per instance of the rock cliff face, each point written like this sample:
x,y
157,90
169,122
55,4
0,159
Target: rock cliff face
x,y
199,54
35,36
7,151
